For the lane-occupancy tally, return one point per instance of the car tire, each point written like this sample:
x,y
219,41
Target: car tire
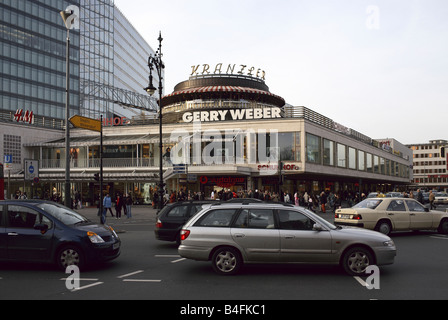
x,y
384,227
443,227
227,261
356,260
70,255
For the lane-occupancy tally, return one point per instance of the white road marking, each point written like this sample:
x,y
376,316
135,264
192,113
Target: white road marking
x,y
129,274
439,237
178,260
87,286
141,280
167,256
80,279
361,282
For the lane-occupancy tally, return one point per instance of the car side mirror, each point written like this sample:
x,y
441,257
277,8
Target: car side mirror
x,y
317,227
42,227
426,209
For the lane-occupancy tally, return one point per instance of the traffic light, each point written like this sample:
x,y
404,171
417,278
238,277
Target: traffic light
x,y
442,152
96,176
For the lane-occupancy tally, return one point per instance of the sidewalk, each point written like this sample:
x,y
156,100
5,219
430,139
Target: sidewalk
x,y
140,213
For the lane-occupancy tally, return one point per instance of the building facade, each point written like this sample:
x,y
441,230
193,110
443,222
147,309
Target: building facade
x,y
430,166
226,131
104,80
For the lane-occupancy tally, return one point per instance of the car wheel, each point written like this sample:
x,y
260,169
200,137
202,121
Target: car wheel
x,y
356,260
226,261
68,256
443,227
384,227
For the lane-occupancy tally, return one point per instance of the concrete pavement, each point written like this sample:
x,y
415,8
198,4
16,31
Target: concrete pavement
x,y
140,214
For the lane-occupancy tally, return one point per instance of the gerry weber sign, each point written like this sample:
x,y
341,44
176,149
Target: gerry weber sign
x,y
241,69
232,114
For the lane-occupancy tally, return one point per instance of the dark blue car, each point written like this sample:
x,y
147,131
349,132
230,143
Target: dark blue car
x,y
43,231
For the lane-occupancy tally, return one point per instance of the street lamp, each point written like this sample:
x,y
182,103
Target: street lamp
x,y
157,63
71,21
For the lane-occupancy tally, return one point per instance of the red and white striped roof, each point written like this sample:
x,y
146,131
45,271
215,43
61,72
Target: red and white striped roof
x,y
233,89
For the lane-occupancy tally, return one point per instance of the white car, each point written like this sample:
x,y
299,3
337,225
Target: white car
x,y
441,198
392,214
231,234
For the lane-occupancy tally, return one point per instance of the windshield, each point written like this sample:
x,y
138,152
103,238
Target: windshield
x,y
368,204
63,214
322,221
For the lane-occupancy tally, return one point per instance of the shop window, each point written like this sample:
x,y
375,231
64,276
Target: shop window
x,y
328,153
342,155
313,153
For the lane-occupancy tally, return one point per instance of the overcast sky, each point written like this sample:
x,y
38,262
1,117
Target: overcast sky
x,y
379,67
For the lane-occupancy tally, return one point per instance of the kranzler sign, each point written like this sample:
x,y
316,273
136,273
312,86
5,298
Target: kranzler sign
x,y
233,114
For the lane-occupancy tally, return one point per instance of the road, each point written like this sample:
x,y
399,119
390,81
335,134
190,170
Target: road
x,y
149,269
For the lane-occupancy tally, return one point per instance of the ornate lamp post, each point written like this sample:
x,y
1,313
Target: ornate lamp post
x,y
71,21
157,63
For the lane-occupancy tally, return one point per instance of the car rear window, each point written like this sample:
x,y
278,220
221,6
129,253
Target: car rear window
x,y
368,203
216,218
178,211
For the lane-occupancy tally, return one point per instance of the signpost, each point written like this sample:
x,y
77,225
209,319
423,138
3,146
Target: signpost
x,y
93,125
86,123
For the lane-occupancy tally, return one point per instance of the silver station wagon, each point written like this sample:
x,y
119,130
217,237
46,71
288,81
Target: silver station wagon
x,y
232,234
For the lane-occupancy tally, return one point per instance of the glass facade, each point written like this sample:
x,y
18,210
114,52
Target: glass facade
x,y
342,156
106,54
32,59
97,54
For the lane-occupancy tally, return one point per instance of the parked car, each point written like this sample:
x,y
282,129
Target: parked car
x,y
441,198
173,216
392,214
232,234
43,231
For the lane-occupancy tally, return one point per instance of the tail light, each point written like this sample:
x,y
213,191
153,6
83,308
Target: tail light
x,y
184,234
158,224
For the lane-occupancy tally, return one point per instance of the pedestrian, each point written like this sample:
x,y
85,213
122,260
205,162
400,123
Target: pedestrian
x,y
128,203
323,201
107,205
118,206
432,197
420,196
336,203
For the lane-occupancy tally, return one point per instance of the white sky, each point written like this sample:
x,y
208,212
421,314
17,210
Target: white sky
x,y
378,66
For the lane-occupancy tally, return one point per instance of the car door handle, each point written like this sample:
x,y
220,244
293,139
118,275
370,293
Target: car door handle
x,y
390,214
412,214
239,235
13,234
289,237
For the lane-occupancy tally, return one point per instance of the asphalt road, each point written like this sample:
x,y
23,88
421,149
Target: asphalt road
x,y
148,269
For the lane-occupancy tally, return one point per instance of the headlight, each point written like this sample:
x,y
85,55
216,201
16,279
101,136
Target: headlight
x,y
94,238
113,232
389,243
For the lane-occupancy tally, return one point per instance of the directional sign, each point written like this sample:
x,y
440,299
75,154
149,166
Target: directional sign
x,y
179,168
8,161
31,169
86,123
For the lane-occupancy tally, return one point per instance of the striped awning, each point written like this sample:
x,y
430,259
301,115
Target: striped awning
x,y
230,89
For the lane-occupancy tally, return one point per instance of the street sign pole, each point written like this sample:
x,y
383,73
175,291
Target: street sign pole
x,y
101,171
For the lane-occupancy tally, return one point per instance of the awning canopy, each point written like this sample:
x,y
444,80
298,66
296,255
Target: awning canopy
x,y
233,92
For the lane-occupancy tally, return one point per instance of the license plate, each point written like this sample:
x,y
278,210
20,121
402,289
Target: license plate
x,y
345,216
116,245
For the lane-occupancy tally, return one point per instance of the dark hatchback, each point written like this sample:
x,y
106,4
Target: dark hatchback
x,y
173,216
43,231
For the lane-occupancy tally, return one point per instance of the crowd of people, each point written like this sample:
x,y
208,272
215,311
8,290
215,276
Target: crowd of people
x,y
316,201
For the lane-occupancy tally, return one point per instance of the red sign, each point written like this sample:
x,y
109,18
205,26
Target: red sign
x,y
20,116
223,182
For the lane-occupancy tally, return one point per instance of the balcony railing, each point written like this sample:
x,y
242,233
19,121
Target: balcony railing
x,y
95,163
